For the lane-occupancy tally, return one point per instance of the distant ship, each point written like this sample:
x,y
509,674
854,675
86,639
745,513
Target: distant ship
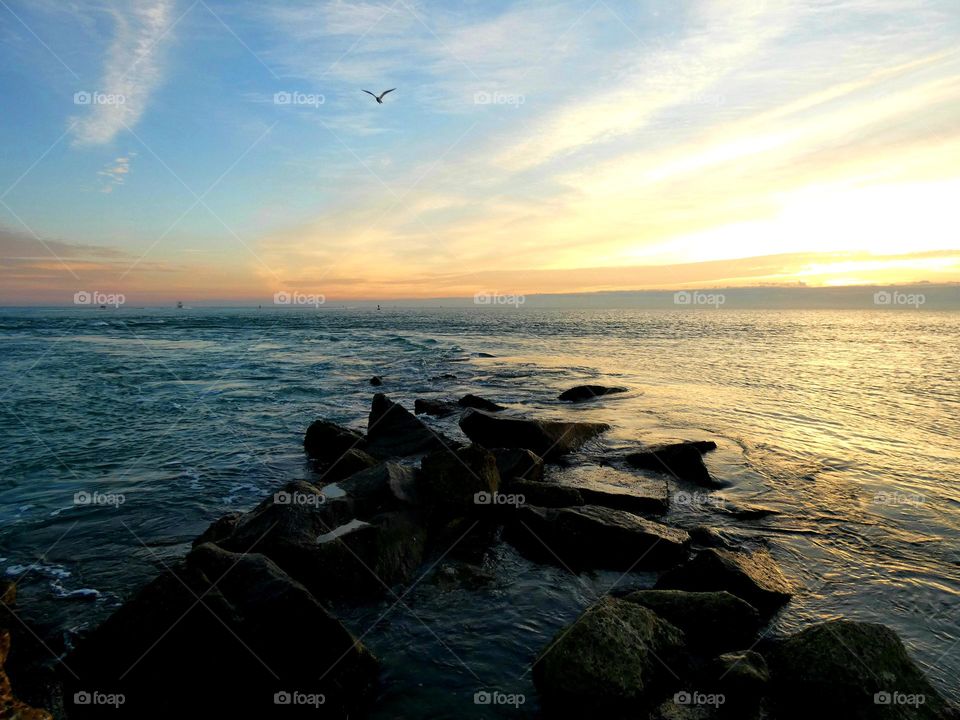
x,y
179,304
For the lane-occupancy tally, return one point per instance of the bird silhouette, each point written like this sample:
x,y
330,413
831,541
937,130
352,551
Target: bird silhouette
x,y
379,98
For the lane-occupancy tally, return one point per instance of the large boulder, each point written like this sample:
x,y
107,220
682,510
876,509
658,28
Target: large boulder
x,y
617,659
350,462
545,495
752,576
437,408
518,464
458,481
683,461
479,403
588,392
607,486
221,635
10,705
547,438
596,537
393,431
741,676
713,622
848,669
386,486
326,441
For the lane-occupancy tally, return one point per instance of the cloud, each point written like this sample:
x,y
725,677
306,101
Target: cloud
x,y
133,70
115,172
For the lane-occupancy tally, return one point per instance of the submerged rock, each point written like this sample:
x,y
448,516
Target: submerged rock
x,y
547,438
222,635
327,442
683,461
617,658
376,381
392,431
460,481
596,537
479,403
754,577
518,464
712,621
848,669
437,408
588,392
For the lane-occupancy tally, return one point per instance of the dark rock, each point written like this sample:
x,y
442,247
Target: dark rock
x,y
518,464
11,706
547,438
392,431
485,355
711,537
451,480
683,461
437,408
546,495
712,621
383,487
376,381
848,669
754,577
221,635
457,576
352,461
596,537
614,488
327,441
219,529
8,592
479,403
741,676
747,512
617,658
588,392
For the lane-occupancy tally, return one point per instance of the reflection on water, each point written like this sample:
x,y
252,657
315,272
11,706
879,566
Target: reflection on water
x,y
845,422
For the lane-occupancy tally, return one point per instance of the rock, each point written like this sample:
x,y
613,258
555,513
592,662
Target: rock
x,y
352,461
753,577
547,495
614,488
518,464
457,576
8,592
588,392
596,537
326,441
672,710
392,431
221,634
484,355
546,438
617,658
706,536
683,461
712,622
10,706
479,403
450,481
376,381
741,676
848,669
437,408
747,512
383,487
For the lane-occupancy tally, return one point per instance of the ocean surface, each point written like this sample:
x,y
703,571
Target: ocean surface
x,y
846,422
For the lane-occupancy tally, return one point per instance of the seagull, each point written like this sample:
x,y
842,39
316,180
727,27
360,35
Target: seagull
x,y
379,98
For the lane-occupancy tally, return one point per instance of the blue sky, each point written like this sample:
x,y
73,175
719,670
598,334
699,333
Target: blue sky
x,y
527,145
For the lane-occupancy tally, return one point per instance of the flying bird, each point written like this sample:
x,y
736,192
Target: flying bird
x,y
379,98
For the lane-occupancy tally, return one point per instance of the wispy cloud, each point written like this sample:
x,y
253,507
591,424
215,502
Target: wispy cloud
x,y
115,172
133,69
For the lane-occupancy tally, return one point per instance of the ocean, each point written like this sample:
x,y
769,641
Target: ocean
x,y
846,422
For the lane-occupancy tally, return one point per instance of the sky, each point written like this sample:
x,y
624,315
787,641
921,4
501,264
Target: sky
x,y
209,150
